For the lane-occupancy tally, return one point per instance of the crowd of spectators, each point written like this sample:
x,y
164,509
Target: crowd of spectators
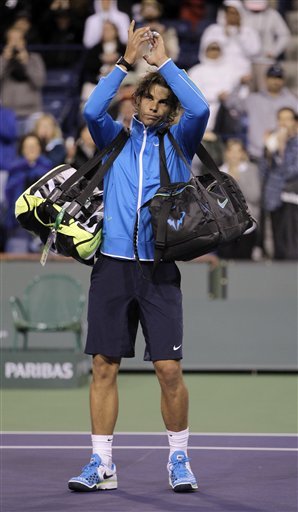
x,y
54,52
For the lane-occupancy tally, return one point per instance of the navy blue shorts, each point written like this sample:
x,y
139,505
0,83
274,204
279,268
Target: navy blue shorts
x,y
121,295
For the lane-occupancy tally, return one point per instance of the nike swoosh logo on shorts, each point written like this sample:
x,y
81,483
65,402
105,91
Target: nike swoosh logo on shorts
x,y
176,348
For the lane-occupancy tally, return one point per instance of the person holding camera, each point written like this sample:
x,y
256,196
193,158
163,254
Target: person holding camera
x,y
22,75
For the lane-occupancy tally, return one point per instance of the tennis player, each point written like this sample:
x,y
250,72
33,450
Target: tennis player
x,y
122,292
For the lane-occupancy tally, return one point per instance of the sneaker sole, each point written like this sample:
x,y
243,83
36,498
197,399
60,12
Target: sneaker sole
x,y
103,486
184,488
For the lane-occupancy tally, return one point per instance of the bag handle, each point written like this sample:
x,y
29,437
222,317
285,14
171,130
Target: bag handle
x,y
117,142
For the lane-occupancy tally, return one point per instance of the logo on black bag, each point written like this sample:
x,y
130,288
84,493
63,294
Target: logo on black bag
x,y
177,223
222,204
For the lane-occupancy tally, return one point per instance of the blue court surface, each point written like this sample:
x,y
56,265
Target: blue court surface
x,y
236,473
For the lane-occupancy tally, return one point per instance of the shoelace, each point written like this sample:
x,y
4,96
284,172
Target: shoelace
x,y
87,468
179,465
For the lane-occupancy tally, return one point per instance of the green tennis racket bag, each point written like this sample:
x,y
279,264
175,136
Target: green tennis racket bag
x,y
65,207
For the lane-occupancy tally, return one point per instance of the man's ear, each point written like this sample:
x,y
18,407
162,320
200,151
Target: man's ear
x,y
136,101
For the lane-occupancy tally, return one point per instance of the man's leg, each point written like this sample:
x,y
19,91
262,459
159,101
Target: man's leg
x,y
174,409
104,395
100,473
174,395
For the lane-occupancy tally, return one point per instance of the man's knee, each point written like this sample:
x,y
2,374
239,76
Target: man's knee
x,y
105,368
169,373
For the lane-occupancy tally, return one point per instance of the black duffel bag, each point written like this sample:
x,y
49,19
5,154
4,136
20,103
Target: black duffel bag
x,y
192,218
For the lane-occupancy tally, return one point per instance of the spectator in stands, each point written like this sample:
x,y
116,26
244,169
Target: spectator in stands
x,y
8,138
190,26
60,26
22,75
50,134
192,11
215,148
272,29
122,107
280,184
105,10
261,108
83,149
23,22
126,110
23,171
274,35
237,164
216,74
100,59
242,43
8,12
151,15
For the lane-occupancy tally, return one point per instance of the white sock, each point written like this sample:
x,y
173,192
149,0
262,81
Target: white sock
x,y
102,446
178,440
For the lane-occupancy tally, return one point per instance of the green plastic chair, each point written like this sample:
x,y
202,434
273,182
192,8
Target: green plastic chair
x,y
51,303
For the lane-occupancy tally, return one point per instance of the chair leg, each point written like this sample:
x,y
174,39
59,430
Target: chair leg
x,y
25,345
15,339
78,340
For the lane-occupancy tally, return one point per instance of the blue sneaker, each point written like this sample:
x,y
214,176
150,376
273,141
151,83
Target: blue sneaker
x,y
94,477
181,477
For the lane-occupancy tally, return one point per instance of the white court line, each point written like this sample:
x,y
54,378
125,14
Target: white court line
x,y
219,434
226,448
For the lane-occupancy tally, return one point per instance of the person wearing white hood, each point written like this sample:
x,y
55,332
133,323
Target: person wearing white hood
x,y
273,30
105,10
242,42
216,75
274,35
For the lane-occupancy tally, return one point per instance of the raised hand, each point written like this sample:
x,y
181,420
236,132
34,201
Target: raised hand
x,y
157,55
135,41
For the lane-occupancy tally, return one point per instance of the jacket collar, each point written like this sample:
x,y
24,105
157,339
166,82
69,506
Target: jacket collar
x,y
138,128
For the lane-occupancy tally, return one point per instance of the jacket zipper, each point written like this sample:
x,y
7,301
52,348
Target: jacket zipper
x,y
141,172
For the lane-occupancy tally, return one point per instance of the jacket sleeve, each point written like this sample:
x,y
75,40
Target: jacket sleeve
x,y
101,125
190,129
36,70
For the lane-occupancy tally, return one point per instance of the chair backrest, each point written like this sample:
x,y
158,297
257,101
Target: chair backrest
x,y
53,299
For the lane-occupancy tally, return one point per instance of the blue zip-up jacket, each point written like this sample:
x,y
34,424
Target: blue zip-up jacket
x,y
134,176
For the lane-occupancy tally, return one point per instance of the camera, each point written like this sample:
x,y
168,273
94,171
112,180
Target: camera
x,y
15,51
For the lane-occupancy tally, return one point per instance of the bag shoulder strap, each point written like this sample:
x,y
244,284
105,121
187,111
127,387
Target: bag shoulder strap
x,y
163,168
115,146
76,205
203,155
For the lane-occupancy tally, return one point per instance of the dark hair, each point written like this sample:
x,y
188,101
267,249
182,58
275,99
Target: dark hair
x,y
289,109
26,136
144,87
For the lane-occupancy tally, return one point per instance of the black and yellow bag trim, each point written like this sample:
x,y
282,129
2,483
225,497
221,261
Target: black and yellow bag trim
x,y
65,207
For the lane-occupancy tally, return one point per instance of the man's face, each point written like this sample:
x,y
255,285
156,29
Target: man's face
x,y
274,84
154,108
